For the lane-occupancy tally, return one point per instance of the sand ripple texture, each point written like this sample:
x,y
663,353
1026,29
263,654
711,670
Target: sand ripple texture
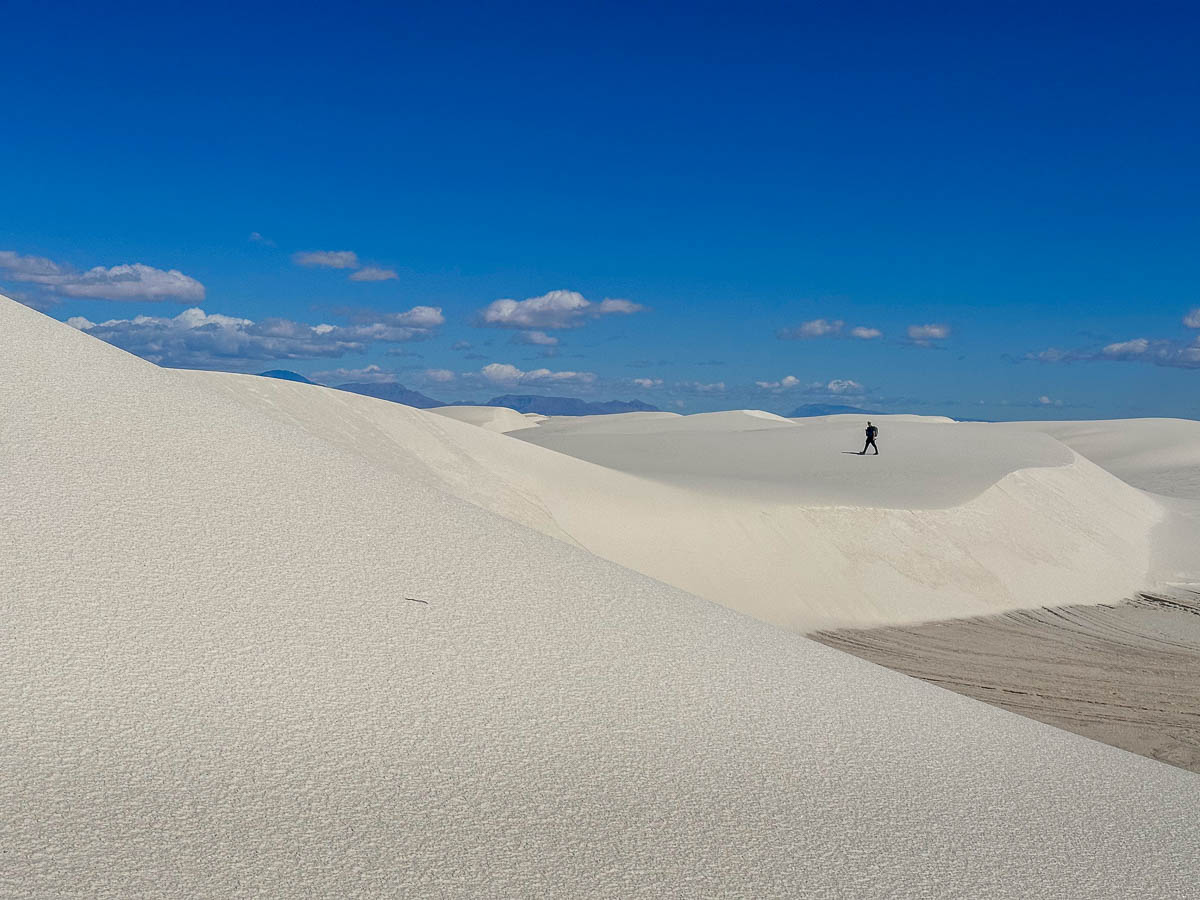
x,y
1126,674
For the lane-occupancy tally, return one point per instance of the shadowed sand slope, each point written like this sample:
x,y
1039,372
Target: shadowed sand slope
x,y
241,657
1128,675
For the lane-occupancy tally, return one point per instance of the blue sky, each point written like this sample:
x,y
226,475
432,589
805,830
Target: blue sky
x,y
1018,184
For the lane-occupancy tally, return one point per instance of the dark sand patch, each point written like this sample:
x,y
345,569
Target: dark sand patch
x,y
1127,675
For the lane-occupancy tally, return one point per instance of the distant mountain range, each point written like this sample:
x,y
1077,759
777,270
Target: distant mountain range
x,y
523,403
397,393
808,410
285,375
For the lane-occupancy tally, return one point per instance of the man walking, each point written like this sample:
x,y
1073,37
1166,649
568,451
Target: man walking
x,y
872,432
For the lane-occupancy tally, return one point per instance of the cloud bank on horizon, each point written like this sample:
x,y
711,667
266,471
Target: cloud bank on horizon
x,y
129,281
1157,351
195,338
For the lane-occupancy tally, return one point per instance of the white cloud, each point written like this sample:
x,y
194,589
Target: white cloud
x,y
1126,349
813,329
819,328
924,334
787,381
1046,401
538,338
1051,355
697,387
557,309
197,339
395,327
1172,354
34,267
501,372
610,307
418,317
461,345
838,386
439,375
374,273
647,383
553,310
134,281
1161,353
372,374
256,238
344,259
328,259
504,373
1192,319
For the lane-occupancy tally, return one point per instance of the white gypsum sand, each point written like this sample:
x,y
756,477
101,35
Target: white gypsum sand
x,y
1127,674
491,418
807,537
213,682
1161,456
1157,455
782,520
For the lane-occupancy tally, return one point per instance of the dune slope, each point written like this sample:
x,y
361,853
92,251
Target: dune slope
x,y
775,518
491,418
1053,533
214,683
1157,455
813,462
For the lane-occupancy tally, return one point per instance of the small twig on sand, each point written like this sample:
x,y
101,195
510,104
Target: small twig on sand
x,y
415,600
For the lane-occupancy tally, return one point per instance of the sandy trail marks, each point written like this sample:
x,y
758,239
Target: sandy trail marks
x,y
1127,675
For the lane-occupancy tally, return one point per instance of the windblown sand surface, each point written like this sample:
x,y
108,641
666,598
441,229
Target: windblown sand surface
x,y
775,518
490,418
263,638
1128,675
1157,455
751,455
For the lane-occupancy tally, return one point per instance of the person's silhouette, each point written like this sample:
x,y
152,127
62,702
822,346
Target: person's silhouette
x,y
872,433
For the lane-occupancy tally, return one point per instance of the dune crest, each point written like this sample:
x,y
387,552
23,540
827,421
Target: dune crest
x,y
490,418
1157,455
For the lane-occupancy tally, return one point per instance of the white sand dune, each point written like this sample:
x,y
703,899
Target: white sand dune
x,y
927,465
1161,456
213,682
1157,455
782,522
783,551
856,420
490,418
